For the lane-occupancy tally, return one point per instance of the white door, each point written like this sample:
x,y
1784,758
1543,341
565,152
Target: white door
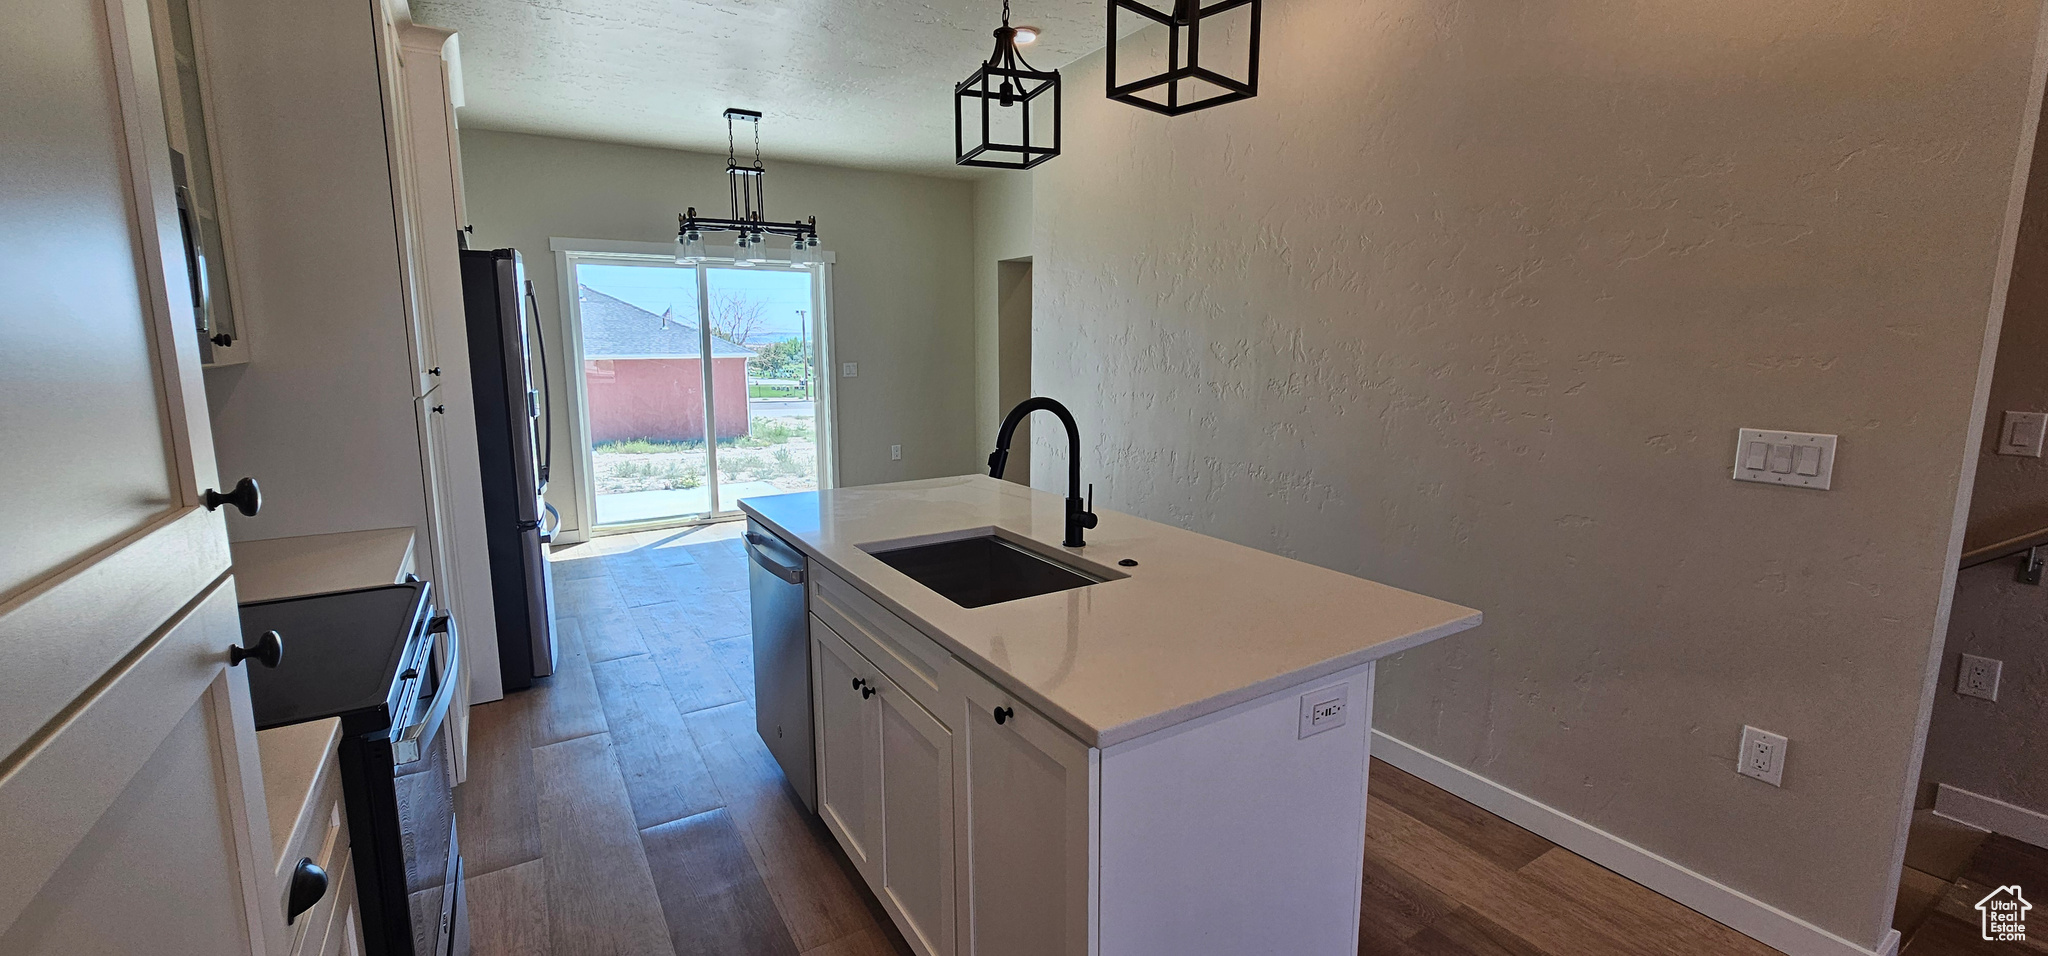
x,y
917,820
843,685
133,806
1024,799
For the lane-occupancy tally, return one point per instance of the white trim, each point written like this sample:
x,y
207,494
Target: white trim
x,y
1730,907
664,250
1991,813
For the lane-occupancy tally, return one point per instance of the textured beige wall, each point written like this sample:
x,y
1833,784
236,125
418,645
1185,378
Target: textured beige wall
x,y
1472,299
2000,749
903,294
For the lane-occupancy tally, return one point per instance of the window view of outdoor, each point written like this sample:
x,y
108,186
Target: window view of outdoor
x,y
643,351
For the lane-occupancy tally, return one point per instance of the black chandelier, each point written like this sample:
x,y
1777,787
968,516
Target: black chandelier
x,y
1000,121
749,211
1185,85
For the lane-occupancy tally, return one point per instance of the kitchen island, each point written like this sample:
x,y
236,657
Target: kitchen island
x,y
1166,754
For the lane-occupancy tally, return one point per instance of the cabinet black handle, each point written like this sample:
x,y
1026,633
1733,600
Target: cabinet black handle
x,y
309,884
1003,715
268,651
246,497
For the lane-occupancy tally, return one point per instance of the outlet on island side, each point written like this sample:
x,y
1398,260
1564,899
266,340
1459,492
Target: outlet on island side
x,y
1978,677
895,452
1325,708
1762,756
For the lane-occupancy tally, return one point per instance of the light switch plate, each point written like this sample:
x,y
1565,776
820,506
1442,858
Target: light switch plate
x,y
849,370
1325,708
2021,434
1799,459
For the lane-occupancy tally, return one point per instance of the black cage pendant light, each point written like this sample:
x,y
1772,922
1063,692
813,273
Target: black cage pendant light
x,y
1007,110
749,221
1188,82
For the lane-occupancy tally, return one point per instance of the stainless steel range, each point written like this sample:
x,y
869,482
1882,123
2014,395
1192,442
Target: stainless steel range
x,y
382,660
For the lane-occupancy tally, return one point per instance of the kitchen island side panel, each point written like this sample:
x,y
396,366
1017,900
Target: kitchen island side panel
x,y
1233,834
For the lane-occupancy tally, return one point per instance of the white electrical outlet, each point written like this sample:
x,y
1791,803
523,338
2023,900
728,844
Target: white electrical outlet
x,y
1325,708
849,370
895,452
1762,756
1978,677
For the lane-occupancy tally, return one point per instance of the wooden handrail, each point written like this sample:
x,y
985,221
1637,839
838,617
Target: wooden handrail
x,y
2005,549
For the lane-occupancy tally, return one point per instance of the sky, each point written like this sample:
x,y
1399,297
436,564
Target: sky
x,y
656,288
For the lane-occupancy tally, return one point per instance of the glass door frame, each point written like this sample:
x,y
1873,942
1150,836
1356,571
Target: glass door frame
x,y
569,253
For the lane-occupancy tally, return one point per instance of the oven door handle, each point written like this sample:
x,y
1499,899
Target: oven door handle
x,y
407,744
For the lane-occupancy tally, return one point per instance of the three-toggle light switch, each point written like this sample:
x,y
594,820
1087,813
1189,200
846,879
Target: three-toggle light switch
x,y
1799,459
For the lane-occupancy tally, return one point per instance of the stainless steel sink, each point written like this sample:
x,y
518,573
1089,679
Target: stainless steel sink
x,y
982,569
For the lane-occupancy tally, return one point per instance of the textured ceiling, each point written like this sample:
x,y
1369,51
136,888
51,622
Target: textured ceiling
x,y
849,82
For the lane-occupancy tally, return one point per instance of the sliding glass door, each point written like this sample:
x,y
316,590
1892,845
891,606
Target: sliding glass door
x,y
700,385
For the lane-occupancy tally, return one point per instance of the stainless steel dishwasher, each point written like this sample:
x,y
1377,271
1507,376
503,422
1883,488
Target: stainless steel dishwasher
x,y
782,657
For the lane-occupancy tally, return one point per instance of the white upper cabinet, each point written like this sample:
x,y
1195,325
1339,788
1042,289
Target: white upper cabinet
x,y
205,235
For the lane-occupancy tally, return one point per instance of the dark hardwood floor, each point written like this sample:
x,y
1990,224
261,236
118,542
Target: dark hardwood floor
x,y
1952,925
625,806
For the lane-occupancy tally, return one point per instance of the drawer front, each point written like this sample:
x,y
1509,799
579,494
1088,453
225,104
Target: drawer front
x,y
899,650
322,836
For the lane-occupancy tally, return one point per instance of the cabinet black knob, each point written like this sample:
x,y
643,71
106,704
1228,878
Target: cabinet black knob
x,y
436,370
1003,715
309,884
440,409
269,650
221,339
859,682
246,497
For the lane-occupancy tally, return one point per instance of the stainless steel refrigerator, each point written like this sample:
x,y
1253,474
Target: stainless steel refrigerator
x,y
514,448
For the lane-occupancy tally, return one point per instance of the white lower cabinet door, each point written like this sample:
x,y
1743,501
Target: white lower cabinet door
x,y
917,821
1024,793
849,743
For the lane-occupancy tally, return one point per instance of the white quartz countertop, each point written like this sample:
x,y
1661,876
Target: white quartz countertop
x,y
1197,626
318,563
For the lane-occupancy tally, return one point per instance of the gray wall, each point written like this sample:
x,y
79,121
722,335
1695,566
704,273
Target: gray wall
x,y
903,293
1002,232
2000,749
1472,301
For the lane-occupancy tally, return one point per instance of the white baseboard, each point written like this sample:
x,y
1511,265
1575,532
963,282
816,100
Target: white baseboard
x,y
1743,913
1997,816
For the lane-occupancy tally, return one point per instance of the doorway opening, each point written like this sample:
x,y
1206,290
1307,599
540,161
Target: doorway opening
x,y
699,385
1013,356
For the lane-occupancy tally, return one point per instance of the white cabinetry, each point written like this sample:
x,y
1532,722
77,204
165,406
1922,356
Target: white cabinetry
x,y
987,829
1023,791
849,762
885,788
916,881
